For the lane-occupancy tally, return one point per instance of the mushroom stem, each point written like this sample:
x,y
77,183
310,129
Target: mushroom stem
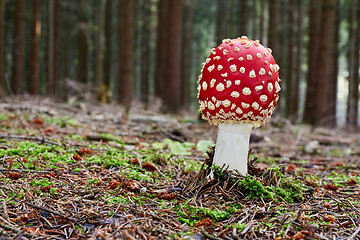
x,y
232,146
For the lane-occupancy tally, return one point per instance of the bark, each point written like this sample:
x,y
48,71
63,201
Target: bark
x,y
108,52
298,53
162,30
187,53
67,50
82,71
145,49
313,60
18,51
243,26
100,52
50,49
291,88
169,71
353,64
325,97
221,20
57,47
272,28
262,20
126,43
35,45
2,48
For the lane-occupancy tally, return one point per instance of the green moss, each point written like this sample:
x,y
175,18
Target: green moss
x,y
254,189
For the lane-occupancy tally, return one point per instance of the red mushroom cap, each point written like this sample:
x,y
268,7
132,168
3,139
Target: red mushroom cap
x,y
239,83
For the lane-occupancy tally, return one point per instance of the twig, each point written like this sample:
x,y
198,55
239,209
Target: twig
x,y
354,234
15,229
208,235
53,212
35,139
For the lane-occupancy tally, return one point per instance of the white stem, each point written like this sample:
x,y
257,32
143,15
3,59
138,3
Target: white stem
x,y
232,146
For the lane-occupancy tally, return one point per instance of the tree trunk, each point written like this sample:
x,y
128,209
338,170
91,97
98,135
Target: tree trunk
x,y
18,54
353,64
82,71
126,43
243,26
145,49
272,28
313,61
162,41
50,49
34,50
291,88
298,54
221,20
99,62
325,97
108,45
262,20
187,53
57,48
2,49
169,71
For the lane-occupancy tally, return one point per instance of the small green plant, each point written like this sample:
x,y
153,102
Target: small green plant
x,y
254,189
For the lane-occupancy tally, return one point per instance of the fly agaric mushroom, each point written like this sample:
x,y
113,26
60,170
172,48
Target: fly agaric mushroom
x,y
238,90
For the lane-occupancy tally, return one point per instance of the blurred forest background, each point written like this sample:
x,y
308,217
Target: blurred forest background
x,y
142,50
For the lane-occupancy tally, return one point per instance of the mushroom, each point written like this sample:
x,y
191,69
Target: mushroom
x,y
238,90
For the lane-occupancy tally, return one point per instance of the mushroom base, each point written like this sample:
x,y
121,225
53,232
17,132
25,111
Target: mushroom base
x,y
232,146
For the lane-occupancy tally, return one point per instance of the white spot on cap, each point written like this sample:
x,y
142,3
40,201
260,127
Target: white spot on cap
x,y
266,62
213,51
235,94
212,82
226,103
211,106
237,82
259,55
246,91
241,58
220,48
233,106
266,53
257,42
248,57
252,74
259,87
270,87
225,51
269,49
263,98
236,49
220,87
276,67
226,40
199,88
216,58
228,83
255,106
277,87
238,111
244,37
247,45
269,73
220,67
208,60
245,105
224,75
242,41
218,103
233,68
211,68
230,59
204,86
242,70
202,105
262,71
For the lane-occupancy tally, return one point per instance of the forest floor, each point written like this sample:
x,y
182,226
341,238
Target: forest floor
x,y
94,171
